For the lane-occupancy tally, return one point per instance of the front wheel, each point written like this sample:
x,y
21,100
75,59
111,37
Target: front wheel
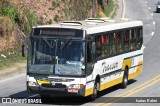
x,y
95,91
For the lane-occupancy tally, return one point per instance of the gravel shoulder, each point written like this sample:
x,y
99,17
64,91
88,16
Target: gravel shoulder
x,y
16,69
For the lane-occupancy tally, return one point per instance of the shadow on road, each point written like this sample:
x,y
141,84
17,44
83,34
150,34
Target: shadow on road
x,y
100,98
22,94
66,101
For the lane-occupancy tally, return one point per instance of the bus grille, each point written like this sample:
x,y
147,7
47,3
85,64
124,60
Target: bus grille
x,y
54,86
60,80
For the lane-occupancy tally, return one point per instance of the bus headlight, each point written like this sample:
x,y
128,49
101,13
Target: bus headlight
x,y
31,83
76,86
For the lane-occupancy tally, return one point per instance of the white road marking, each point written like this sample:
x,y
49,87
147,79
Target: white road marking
x,y
146,2
123,9
149,8
154,23
151,14
152,33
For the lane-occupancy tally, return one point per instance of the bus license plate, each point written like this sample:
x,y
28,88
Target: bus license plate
x,y
73,90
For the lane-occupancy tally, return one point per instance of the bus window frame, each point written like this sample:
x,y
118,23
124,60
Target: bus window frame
x,y
129,40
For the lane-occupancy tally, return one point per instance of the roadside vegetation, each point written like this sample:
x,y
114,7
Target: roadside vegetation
x,y
18,17
110,11
13,19
10,57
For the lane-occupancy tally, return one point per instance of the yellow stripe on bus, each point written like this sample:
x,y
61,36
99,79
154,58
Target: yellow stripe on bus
x,y
138,71
104,86
127,62
110,84
43,82
89,91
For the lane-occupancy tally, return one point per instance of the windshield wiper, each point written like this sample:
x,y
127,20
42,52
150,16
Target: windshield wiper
x,y
66,43
51,46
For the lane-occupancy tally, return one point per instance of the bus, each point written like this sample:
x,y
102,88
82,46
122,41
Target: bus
x,y
81,58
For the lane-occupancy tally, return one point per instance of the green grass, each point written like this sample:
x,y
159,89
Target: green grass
x,y
97,16
19,15
108,10
10,12
56,18
12,56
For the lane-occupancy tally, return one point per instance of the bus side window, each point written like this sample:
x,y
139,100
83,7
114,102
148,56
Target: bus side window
x,y
126,41
89,52
107,45
103,45
119,48
139,38
98,46
112,42
133,34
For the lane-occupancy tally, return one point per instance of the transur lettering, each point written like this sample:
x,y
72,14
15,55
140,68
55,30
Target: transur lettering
x,y
109,67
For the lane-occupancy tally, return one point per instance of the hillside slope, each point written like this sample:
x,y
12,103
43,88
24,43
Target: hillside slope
x,y
50,11
23,14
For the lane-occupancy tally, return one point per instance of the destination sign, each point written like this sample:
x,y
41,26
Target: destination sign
x,y
57,32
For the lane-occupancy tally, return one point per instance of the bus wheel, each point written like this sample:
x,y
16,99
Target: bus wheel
x,y
95,91
125,79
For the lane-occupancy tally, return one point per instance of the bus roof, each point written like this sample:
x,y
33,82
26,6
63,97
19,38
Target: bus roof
x,y
96,25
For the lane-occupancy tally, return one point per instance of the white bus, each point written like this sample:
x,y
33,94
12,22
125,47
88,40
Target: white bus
x,y
84,57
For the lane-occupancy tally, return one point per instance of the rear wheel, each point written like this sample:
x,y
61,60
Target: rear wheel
x,y
125,79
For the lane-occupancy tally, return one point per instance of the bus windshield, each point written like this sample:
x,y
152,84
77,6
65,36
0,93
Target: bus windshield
x,y
56,56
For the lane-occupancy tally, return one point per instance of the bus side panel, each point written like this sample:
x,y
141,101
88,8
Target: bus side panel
x,y
133,61
97,70
111,73
111,81
137,66
89,85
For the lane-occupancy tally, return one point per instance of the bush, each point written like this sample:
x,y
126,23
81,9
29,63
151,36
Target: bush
x,y
32,18
26,19
9,12
110,8
21,16
56,18
12,56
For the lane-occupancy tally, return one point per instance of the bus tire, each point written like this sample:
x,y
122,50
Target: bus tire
x,y
125,79
95,91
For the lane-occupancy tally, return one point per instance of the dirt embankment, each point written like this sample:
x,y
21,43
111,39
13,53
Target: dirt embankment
x,y
52,11
8,34
15,13
34,12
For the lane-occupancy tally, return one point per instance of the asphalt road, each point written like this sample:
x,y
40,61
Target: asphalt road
x,y
147,84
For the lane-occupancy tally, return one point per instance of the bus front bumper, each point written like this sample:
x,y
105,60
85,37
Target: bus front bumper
x,y
55,91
